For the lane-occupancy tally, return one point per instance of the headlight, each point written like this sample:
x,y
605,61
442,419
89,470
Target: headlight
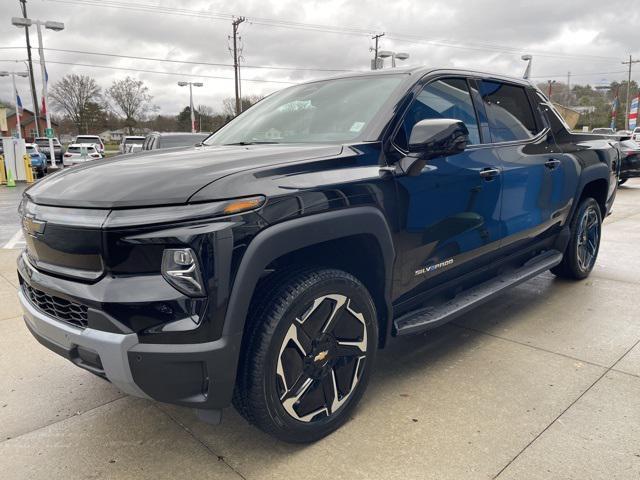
x,y
180,268
134,217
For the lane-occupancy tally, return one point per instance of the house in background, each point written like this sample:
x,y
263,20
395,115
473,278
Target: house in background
x,y
113,136
116,136
27,124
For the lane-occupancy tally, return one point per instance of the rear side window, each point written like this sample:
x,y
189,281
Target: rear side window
x,y
445,98
509,111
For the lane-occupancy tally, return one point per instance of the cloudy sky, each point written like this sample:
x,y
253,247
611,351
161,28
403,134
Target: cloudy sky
x,y
315,39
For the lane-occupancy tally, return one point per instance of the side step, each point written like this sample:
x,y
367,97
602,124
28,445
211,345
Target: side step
x,y
432,316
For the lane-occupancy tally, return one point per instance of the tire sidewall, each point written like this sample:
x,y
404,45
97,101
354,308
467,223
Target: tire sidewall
x,y
578,271
287,427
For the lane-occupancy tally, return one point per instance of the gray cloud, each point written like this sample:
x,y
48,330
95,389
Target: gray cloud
x,y
584,32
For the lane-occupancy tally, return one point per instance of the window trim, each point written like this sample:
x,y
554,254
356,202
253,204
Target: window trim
x,y
422,84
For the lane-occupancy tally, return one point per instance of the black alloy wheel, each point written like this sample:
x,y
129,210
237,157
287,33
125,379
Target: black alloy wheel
x,y
584,242
312,341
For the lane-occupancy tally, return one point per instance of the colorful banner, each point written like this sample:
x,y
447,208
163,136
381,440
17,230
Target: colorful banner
x,y
633,113
614,111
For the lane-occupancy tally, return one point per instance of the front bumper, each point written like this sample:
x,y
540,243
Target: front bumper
x,y
198,375
71,342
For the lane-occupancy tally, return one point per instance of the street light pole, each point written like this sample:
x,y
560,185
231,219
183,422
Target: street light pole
x,y
529,60
193,115
56,26
15,95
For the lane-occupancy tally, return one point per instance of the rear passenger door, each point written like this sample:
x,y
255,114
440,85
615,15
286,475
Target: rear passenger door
x,y
533,171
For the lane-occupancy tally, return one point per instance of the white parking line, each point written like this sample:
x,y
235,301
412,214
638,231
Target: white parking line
x,y
16,240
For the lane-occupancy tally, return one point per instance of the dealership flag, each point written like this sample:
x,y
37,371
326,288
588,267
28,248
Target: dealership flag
x,y
633,113
614,110
19,103
43,108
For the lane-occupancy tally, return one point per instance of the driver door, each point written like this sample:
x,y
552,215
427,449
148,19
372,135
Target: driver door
x,y
450,212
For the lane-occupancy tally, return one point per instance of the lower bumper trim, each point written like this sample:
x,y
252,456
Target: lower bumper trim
x,y
64,339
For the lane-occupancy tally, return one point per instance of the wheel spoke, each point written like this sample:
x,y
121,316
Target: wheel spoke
x,y
290,402
292,336
337,401
315,326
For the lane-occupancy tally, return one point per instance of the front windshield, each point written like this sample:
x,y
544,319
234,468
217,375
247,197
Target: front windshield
x,y
333,111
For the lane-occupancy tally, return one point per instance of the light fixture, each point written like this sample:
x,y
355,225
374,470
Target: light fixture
x,y
180,268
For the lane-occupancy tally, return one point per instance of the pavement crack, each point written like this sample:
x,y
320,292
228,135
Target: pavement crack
x,y
534,347
62,419
566,409
220,458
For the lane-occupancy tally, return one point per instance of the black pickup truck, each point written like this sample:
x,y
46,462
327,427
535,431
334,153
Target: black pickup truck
x,y
266,266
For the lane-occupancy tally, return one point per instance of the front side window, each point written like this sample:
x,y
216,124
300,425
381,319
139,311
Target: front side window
x,y
446,98
331,111
509,111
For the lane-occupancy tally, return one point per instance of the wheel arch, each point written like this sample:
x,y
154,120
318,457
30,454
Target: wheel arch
x,y
594,182
287,238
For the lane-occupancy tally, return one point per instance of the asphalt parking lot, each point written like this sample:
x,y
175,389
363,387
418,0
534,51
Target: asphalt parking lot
x,y
541,383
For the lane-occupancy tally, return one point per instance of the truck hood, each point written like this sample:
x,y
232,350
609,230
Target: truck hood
x,y
163,177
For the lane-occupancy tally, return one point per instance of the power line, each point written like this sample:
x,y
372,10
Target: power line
x,y
563,75
344,29
160,72
189,62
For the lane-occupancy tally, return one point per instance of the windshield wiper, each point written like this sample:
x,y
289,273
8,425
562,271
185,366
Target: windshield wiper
x,y
252,143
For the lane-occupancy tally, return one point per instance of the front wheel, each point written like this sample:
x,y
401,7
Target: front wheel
x,y
584,243
311,343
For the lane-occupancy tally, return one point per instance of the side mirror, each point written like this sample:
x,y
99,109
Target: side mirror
x,y
434,138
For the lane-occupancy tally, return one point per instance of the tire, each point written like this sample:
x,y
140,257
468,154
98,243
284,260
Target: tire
x,y
308,351
622,181
582,251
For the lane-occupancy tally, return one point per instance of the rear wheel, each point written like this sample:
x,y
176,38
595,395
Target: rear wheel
x,y
311,342
584,243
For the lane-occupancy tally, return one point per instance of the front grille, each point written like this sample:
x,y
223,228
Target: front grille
x,y
63,310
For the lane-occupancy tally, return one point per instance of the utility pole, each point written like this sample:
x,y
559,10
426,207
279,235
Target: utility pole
x,y
628,109
568,89
236,66
374,64
34,95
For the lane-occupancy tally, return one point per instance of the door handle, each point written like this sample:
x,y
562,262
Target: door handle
x,y
489,173
552,164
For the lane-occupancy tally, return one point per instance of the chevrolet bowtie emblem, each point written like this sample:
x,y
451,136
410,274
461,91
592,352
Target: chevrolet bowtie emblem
x,y
321,356
32,227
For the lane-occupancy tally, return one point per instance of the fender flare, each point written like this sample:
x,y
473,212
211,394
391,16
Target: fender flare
x,y
599,171
291,235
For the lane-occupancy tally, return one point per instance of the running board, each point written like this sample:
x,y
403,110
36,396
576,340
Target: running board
x,y
430,317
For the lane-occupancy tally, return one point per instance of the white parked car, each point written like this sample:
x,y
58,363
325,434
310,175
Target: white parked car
x,y
131,143
91,139
636,134
80,153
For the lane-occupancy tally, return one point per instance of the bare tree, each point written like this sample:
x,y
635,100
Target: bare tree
x,y
76,96
229,104
131,100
